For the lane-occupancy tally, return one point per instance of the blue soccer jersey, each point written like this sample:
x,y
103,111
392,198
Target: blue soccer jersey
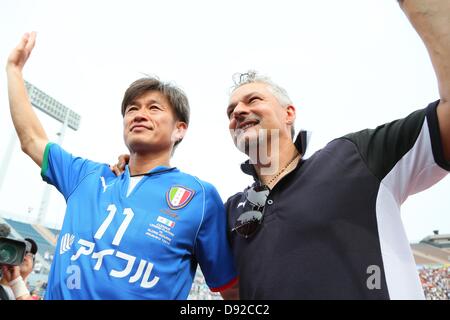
x,y
142,246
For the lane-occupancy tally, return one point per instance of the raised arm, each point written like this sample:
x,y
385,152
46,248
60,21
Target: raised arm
x,y
431,19
32,136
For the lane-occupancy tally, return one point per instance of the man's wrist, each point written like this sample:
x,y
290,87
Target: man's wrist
x,y
13,69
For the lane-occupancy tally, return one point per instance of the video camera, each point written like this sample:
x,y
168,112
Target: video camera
x,y
12,252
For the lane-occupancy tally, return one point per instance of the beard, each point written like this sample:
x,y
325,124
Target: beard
x,y
261,146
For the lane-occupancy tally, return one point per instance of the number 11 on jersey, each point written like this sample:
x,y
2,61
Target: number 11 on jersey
x,y
128,212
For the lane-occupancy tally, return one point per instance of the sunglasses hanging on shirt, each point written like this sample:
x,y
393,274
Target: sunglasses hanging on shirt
x,y
249,221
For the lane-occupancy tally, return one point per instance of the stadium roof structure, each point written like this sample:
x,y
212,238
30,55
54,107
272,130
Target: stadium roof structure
x,y
438,240
432,250
425,254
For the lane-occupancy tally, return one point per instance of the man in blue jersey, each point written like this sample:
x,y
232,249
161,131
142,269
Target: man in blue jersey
x,y
139,235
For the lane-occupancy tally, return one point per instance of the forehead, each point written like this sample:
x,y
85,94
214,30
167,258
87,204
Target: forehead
x,y
248,89
152,96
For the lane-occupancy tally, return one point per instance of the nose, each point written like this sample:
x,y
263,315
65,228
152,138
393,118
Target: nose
x,y
240,111
140,116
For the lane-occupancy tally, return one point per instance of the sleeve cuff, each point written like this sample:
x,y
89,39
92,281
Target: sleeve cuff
x,y
225,287
44,165
435,136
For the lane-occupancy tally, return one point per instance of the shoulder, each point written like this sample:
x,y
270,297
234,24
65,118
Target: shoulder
x,y
196,183
57,159
58,151
233,200
338,147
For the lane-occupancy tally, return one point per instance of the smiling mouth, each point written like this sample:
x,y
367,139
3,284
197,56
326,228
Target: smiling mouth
x,y
139,128
245,125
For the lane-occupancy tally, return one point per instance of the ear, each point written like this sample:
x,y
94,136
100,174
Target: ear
x,y
290,115
180,131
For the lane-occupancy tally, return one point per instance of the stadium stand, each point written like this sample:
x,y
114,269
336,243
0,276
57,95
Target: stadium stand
x,y
432,256
46,233
200,290
435,282
54,232
434,249
438,240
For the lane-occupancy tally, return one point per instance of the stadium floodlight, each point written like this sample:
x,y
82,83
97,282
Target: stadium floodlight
x,y
4,164
51,107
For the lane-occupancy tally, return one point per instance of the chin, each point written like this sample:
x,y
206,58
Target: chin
x,y
247,142
135,144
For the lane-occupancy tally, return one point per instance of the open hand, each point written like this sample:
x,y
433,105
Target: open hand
x,y
20,54
10,272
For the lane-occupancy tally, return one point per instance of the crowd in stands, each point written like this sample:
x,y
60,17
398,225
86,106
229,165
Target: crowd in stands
x,y
200,290
37,289
435,282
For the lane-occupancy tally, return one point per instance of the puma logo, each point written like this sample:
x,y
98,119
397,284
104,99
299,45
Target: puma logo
x,y
104,185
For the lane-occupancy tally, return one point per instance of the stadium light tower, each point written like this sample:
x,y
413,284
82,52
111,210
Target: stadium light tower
x,y
7,158
59,112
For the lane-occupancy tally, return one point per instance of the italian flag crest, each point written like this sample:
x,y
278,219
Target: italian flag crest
x,y
178,197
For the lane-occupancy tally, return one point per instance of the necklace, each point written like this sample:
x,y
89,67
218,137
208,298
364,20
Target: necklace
x,y
282,170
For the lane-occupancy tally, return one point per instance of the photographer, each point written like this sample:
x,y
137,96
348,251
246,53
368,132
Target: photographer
x,y
13,279
5,291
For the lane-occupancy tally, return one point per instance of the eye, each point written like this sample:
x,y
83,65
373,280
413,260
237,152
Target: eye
x,y
154,107
255,98
131,108
229,112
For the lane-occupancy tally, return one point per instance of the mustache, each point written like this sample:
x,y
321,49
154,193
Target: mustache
x,y
242,120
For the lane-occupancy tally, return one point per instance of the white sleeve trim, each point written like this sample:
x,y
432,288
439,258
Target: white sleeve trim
x,y
416,170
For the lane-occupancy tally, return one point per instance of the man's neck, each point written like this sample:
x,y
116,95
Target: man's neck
x,y
285,160
143,163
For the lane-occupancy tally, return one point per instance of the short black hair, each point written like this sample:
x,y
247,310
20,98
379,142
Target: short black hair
x,y
34,247
177,98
